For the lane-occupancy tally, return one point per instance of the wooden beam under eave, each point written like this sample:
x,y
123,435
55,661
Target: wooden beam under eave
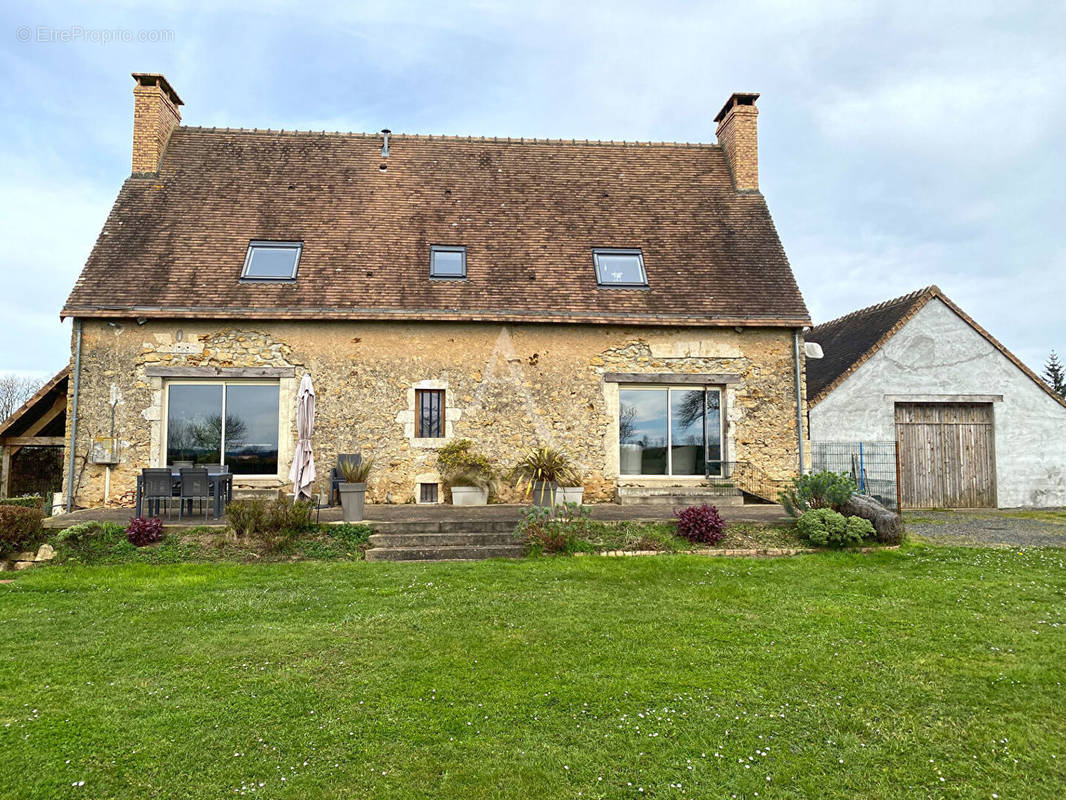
x,y
8,442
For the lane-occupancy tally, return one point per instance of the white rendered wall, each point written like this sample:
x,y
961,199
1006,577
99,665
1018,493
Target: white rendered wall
x,y
938,353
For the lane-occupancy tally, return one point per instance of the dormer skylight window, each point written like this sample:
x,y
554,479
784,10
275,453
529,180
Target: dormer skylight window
x,y
447,261
272,261
618,268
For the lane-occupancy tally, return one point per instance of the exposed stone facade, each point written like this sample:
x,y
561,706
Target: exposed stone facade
x,y
508,388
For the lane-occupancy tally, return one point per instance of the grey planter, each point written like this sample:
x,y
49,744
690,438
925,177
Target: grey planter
x,y
569,494
544,494
353,498
469,496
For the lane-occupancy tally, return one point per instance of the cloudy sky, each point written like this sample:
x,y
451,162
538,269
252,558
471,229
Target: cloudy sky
x,y
901,143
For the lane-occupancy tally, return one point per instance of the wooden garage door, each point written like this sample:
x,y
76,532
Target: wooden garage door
x,y
947,457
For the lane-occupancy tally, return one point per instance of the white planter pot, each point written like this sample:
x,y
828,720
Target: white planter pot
x,y
469,496
569,494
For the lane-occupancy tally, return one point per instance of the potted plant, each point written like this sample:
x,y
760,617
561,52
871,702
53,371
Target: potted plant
x,y
541,472
469,475
353,488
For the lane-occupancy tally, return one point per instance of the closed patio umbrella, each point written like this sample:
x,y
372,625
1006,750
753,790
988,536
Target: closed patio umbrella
x,y
302,473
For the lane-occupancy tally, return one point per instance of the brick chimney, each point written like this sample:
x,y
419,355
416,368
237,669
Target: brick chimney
x,y
738,134
155,116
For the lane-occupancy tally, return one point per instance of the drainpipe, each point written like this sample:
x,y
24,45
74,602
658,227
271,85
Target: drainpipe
x,y
799,398
74,416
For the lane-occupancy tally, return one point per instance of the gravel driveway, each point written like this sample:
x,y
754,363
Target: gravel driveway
x,y
1018,528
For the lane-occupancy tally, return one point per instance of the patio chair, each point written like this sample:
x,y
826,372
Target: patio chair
x,y
195,485
335,477
157,489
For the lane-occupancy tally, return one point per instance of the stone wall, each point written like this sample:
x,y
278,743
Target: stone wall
x,y
508,388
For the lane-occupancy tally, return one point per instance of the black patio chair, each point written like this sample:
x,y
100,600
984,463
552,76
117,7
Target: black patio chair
x,y
335,477
157,489
195,485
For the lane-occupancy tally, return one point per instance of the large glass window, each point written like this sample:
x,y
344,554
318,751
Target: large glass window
x,y
235,424
670,431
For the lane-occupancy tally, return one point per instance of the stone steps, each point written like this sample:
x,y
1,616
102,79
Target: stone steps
x,y
721,496
446,552
444,540
434,540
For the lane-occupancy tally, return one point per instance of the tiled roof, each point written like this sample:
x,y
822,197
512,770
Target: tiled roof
x,y
529,213
849,341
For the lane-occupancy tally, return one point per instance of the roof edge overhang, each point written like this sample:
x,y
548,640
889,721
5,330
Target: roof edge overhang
x,y
923,298
37,397
432,315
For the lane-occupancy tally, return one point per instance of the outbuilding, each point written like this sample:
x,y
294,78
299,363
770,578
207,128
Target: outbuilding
x,y
973,426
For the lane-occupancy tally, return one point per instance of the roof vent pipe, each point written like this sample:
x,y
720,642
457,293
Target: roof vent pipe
x,y
385,142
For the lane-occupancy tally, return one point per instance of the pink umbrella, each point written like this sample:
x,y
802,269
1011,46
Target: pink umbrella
x,y
302,473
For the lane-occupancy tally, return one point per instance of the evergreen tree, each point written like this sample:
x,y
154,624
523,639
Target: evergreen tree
x,y
1055,374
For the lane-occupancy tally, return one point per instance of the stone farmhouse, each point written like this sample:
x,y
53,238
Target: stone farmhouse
x,y
627,303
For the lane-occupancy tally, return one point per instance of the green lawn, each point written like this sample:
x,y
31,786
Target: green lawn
x,y
923,672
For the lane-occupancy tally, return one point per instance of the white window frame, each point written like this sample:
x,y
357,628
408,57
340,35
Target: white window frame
x,y
669,426
223,382
263,244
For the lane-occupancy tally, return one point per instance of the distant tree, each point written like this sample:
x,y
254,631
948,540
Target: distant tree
x,y
1055,374
14,391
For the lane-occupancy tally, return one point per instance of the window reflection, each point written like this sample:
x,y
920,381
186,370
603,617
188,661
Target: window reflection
x,y
196,430
670,431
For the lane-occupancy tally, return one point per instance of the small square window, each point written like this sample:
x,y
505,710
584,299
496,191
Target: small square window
x,y
619,268
428,493
446,261
429,413
272,261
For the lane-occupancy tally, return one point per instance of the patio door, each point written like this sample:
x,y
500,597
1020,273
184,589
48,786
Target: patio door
x,y
669,430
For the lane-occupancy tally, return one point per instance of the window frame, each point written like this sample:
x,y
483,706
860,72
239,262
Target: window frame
x,y
271,245
442,418
223,382
447,248
721,390
619,251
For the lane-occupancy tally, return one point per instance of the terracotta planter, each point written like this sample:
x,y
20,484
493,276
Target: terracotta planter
x,y
469,496
353,498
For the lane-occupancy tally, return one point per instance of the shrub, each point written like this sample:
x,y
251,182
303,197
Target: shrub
x,y
827,528
544,464
460,466
700,524
817,490
353,472
275,523
89,541
543,532
20,528
144,531
26,501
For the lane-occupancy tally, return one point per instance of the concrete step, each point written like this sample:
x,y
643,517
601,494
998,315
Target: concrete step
x,y
388,539
680,495
448,526
454,553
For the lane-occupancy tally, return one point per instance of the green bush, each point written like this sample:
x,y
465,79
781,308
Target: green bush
x,y
817,490
553,530
89,541
26,501
459,465
276,523
20,528
825,527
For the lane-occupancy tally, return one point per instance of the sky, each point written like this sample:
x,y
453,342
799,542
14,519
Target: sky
x,y
901,143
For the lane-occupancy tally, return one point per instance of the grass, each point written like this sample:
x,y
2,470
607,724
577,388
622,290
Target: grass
x,y
923,672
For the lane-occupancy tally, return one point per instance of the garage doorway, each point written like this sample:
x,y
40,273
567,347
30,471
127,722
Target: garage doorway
x,y
947,456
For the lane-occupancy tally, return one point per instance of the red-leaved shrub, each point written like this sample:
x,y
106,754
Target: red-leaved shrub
x,y
145,530
701,524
